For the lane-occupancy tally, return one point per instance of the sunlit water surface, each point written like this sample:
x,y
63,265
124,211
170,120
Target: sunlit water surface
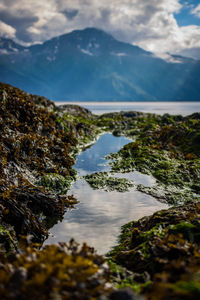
x,y
99,215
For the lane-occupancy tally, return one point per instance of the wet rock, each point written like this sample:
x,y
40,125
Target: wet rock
x,y
124,294
43,101
64,271
167,246
74,109
167,148
31,144
55,182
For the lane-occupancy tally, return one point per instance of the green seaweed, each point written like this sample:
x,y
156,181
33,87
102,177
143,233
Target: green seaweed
x,y
56,183
104,180
166,245
177,178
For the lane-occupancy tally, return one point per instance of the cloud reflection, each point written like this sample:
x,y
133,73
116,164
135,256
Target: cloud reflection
x,y
99,215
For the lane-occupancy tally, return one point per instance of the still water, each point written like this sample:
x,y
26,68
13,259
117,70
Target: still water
x,y
174,108
99,215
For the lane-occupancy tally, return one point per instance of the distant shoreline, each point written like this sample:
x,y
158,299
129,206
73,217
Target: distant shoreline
x,y
173,108
120,103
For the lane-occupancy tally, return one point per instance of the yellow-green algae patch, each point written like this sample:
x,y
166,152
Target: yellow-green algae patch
x,y
56,183
104,180
168,148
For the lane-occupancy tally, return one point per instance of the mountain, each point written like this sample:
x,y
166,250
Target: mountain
x,y
7,46
90,64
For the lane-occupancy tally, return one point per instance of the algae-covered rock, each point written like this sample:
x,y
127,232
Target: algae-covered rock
x,y
170,193
32,145
55,182
104,180
166,245
79,121
167,148
66,271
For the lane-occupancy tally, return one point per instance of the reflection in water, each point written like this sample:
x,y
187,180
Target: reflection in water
x,y
92,160
99,216
137,178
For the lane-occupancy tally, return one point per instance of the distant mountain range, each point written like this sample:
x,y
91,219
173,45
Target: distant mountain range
x,y
90,64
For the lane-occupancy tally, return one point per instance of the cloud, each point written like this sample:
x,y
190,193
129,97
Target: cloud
x,y
7,31
20,22
196,11
149,24
70,13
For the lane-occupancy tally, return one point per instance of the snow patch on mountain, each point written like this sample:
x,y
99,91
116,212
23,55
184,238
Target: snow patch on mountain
x,y
87,52
51,58
4,51
119,54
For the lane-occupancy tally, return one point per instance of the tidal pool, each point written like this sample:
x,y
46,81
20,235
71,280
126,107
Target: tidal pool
x,y
99,215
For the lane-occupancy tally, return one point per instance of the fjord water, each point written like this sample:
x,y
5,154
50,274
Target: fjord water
x,y
173,108
99,215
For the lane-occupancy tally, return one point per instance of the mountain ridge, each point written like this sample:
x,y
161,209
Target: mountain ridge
x,y
90,64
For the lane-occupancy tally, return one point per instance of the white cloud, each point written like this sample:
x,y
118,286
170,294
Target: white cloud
x,y
173,40
150,24
7,31
196,11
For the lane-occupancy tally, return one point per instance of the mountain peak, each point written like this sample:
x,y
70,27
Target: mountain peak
x,y
93,31
8,46
88,34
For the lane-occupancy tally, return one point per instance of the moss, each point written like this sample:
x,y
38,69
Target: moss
x,y
103,180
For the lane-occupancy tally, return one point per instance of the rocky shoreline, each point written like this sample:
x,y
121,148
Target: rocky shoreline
x,y
158,256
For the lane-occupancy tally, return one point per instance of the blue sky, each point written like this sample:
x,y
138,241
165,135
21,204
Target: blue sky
x,y
185,17
159,26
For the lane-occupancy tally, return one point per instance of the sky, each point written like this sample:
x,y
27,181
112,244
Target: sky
x,y
159,26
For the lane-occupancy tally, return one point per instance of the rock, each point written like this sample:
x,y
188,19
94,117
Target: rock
x,y
73,109
104,180
124,294
167,246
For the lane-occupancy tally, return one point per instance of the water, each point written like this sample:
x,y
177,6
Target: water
x,y
183,108
99,215
92,160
